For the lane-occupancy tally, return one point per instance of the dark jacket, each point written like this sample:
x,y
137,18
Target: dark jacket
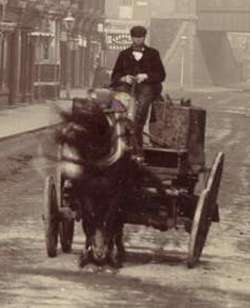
x,y
150,64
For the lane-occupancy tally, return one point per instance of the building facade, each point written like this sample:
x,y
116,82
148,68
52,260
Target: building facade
x,y
34,42
86,42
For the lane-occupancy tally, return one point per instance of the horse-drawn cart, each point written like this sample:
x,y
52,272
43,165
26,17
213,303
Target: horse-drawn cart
x,y
169,194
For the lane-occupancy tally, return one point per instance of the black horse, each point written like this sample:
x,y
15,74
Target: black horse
x,y
97,144
100,170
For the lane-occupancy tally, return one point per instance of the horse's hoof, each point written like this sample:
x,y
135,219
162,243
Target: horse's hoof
x,y
83,259
109,269
115,261
91,268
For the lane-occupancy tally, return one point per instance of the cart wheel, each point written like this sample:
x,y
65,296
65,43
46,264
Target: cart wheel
x,y
206,210
50,216
66,226
213,185
200,227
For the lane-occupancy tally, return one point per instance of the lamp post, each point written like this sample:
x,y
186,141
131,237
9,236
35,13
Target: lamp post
x,y
100,28
69,22
183,45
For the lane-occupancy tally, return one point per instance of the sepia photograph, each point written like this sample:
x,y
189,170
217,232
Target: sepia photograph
x,y
125,159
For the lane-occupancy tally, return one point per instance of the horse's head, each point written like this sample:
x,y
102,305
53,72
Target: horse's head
x,y
87,129
85,138
96,131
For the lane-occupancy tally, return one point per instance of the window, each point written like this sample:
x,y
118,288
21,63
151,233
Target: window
x,y
46,46
127,2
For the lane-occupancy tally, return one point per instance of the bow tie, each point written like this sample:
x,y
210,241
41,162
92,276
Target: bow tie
x,y
138,48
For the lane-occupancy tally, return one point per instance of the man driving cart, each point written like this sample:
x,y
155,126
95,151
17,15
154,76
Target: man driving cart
x,y
141,66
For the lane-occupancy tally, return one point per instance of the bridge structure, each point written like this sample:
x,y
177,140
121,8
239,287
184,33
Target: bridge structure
x,y
201,51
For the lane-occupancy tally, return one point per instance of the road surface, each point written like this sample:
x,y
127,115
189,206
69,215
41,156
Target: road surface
x,y
155,273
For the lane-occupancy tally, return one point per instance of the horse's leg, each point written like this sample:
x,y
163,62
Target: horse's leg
x,y
119,244
84,256
87,229
117,250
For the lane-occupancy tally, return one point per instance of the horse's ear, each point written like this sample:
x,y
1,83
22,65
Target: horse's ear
x,y
78,103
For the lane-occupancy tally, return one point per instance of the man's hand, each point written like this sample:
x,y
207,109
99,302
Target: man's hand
x,y
128,79
141,77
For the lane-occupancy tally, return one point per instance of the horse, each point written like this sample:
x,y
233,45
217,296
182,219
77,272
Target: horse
x,y
98,142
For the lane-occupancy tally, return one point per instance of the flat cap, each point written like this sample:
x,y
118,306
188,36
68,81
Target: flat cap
x,y
138,31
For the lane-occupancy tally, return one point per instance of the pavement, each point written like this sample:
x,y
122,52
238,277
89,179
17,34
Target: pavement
x,y
30,117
